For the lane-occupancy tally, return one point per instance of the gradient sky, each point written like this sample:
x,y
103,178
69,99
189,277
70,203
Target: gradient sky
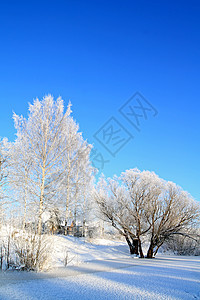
x,y
97,54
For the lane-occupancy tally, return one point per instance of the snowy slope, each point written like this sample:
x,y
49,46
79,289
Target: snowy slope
x,y
80,250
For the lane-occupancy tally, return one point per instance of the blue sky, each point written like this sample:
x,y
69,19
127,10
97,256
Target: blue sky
x,y
98,54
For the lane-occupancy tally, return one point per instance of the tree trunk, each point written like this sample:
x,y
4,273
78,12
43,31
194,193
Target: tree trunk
x,y
150,251
157,248
131,248
25,202
24,219
83,232
68,190
8,252
41,203
1,258
37,262
84,220
140,248
135,245
40,216
76,197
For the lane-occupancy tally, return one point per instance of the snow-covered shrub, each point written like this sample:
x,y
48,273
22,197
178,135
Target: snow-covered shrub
x,y
32,252
183,245
6,249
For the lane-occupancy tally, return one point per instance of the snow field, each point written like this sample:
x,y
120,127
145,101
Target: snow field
x,y
105,270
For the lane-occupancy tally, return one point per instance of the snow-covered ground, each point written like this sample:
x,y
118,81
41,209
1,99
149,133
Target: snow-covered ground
x,y
105,270
79,250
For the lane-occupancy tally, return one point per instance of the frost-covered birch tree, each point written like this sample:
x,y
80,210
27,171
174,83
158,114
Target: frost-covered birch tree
x,y
3,175
83,185
19,174
76,163
48,144
43,137
47,158
5,199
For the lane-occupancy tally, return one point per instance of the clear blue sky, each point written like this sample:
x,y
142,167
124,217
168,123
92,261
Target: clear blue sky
x,y
98,54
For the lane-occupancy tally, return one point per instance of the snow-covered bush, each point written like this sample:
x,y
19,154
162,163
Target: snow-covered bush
x,y
32,251
183,245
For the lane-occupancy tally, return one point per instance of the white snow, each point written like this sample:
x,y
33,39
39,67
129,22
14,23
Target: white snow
x,y
80,250
105,270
